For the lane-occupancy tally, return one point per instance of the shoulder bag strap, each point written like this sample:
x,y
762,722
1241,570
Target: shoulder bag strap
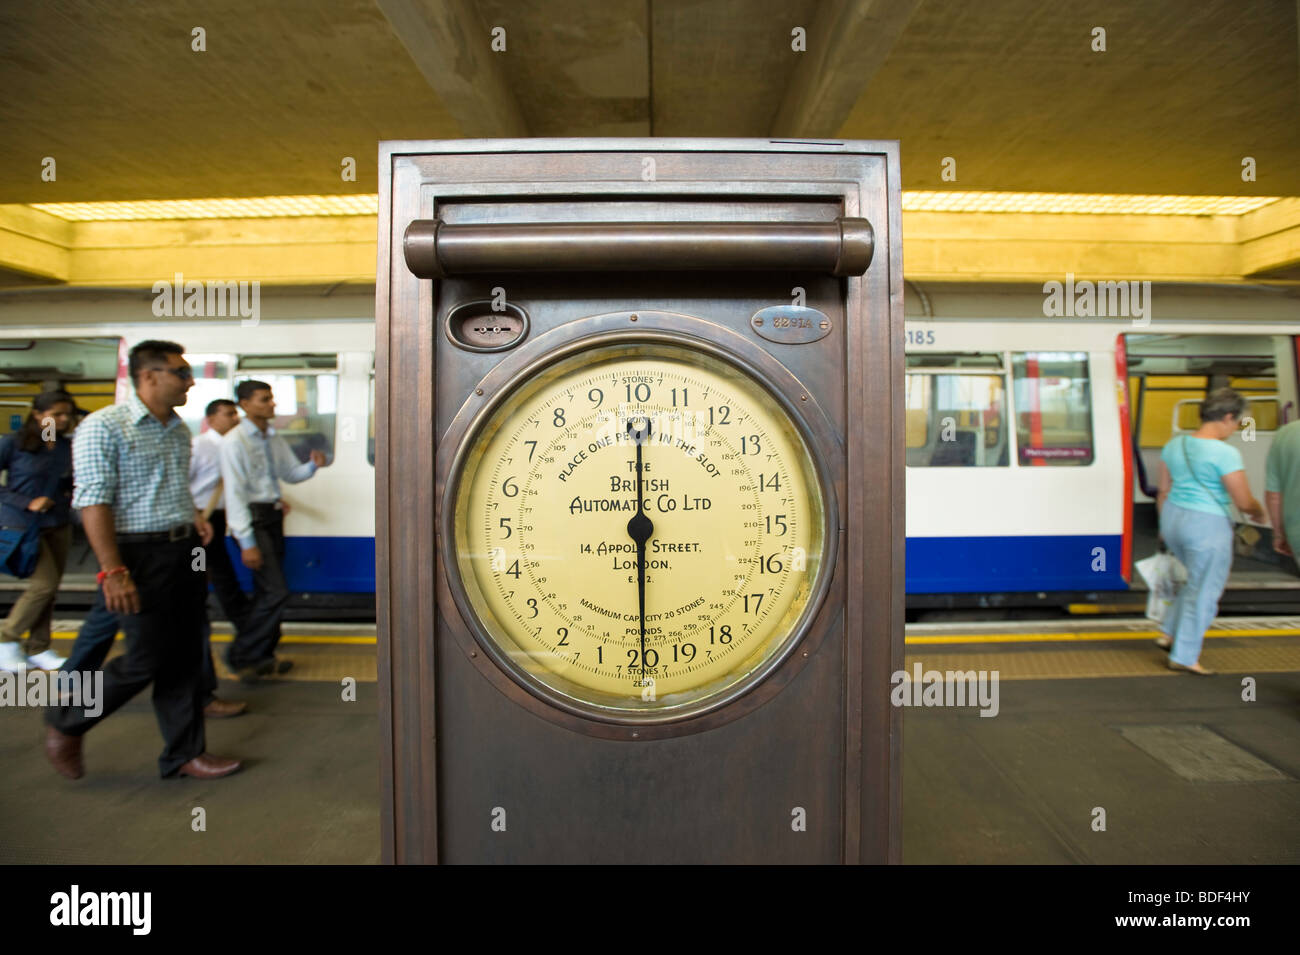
x,y
1229,514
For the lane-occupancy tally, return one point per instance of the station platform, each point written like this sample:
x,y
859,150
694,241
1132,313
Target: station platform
x,y
1187,771
1089,717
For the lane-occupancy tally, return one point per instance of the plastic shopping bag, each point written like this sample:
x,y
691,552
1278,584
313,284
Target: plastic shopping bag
x,y
1165,576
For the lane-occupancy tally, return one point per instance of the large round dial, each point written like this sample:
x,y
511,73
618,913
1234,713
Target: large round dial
x,y
639,529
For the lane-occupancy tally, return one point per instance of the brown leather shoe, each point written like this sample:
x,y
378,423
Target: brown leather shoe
x,y
207,766
64,753
224,709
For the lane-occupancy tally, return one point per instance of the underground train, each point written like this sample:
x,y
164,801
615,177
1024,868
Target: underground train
x,y
1031,441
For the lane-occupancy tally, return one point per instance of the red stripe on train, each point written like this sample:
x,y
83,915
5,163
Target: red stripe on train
x,y
1126,440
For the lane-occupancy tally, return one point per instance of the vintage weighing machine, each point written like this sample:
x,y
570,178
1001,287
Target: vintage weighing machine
x,y
640,500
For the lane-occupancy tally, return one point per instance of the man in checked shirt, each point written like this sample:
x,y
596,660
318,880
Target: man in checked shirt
x,y
131,481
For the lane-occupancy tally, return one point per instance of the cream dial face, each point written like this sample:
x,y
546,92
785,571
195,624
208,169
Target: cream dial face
x,y
555,551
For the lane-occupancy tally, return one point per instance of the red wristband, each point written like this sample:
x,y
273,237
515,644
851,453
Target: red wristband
x,y
99,577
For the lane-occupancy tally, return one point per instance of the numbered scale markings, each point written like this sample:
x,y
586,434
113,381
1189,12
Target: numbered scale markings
x,y
639,528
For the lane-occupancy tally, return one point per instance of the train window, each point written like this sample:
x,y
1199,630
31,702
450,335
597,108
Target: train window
x,y
306,407
211,381
87,367
1053,408
322,362
954,360
1261,395
955,418
1154,399
92,395
1188,415
1261,411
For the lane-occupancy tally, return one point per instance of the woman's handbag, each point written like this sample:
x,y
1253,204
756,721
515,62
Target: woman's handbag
x,y
1244,535
20,549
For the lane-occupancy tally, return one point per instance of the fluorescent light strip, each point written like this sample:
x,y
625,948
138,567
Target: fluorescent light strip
x,y
265,207
261,207
1082,203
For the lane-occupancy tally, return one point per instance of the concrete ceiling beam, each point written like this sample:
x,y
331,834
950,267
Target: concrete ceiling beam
x,y
1270,238
300,250
848,42
1029,247
453,51
34,243
937,246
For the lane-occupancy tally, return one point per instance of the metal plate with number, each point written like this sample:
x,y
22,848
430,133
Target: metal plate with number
x,y
791,324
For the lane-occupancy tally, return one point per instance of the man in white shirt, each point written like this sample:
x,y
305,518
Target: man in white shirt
x,y
254,459
206,489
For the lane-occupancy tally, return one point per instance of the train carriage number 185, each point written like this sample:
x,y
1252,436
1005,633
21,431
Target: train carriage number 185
x,y
920,336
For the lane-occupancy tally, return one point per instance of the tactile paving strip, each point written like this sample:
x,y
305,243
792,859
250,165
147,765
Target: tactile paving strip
x,y
1280,652
327,663
1110,662
1082,631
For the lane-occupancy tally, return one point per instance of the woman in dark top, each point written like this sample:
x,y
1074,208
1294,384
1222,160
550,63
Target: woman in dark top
x,y
37,459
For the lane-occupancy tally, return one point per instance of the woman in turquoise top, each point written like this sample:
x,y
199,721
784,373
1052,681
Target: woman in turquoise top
x,y
1200,477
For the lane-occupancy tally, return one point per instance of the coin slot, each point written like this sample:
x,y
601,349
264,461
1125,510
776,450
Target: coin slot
x,y
478,326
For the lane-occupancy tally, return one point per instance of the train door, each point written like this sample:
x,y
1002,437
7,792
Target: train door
x,y
87,368
1169,377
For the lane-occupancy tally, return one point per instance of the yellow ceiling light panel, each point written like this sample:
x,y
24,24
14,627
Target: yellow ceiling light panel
x,y
1078,203
264,207
260,207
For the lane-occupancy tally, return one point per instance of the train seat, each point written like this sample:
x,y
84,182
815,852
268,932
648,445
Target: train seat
x,y
959,452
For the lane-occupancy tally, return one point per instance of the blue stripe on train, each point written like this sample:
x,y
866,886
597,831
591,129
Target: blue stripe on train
x,y
934,564
941,565
320,565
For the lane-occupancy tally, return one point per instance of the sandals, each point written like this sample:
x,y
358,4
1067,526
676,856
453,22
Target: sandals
x,y
1166,643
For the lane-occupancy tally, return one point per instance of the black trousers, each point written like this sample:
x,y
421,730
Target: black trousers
x,y
257,639
164,646
221,572
95,639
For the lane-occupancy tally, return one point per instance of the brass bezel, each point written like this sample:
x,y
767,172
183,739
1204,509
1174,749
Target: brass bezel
x,y
650,328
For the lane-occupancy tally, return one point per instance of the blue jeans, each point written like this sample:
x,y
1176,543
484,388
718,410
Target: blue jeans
x,y
1203,543
94,639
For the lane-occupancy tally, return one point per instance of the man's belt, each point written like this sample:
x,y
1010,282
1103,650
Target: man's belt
x,y
262,511
177,532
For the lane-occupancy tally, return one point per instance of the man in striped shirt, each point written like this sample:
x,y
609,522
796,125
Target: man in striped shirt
x,y
254,460
131,472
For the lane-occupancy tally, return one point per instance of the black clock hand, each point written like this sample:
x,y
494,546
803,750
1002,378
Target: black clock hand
x,y
640,527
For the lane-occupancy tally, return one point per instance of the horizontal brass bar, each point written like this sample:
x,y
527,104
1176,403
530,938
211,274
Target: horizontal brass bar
x,y
435,249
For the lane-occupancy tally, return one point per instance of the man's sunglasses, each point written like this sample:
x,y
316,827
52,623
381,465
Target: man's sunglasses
x,y
184,374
